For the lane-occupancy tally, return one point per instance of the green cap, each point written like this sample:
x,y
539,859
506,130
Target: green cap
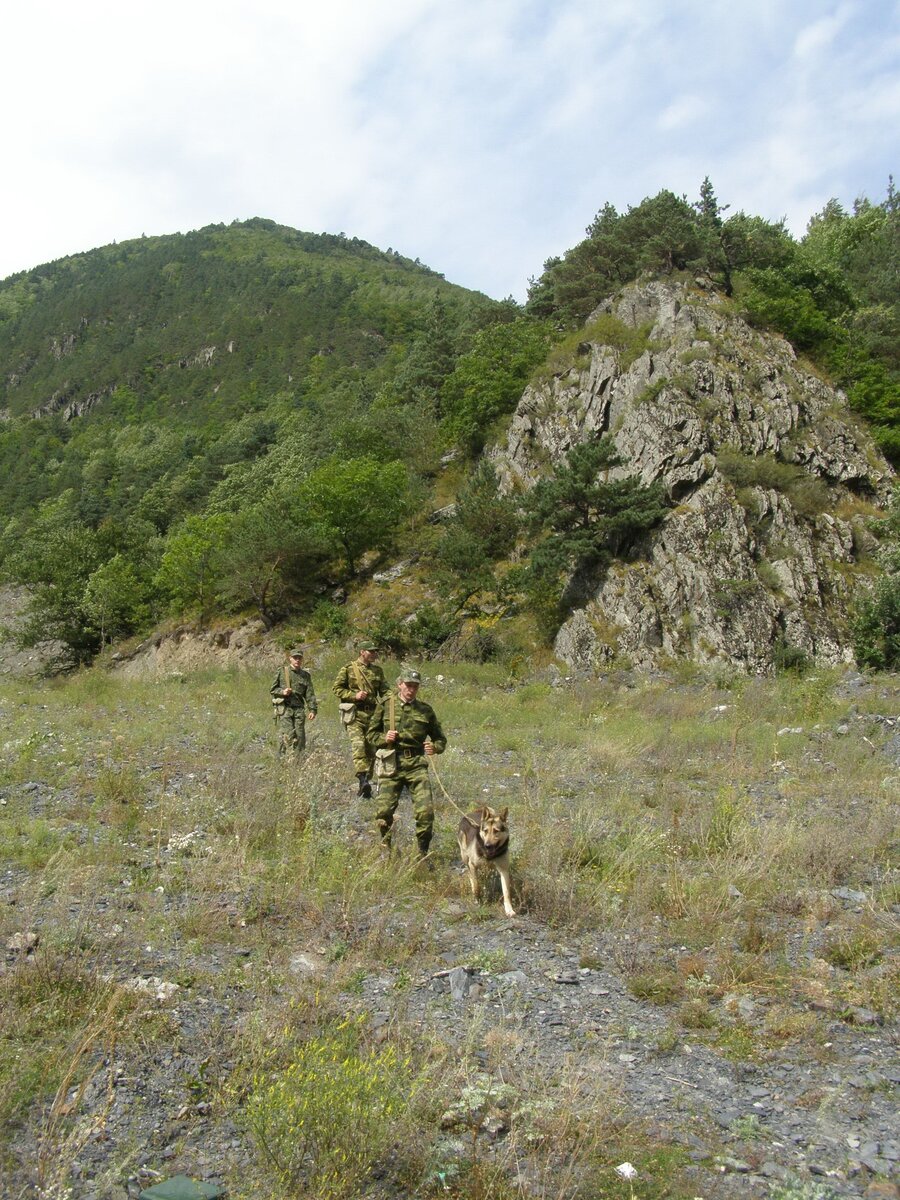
x,y
409,675
368,646
296,653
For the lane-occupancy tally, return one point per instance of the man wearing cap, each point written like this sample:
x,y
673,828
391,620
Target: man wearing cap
x,y
294,702
359,686
415,734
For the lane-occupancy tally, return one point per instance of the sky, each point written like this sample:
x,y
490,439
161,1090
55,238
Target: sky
x,y
479,136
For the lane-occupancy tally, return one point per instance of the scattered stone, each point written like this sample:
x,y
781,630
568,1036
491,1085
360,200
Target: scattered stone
x,y
460,983
882,1189
305,964
863,1016
739,1005
850,895
153,986
23,943
735,1164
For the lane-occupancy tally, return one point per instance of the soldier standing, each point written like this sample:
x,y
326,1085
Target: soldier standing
x,y
410,727
359,686
294,701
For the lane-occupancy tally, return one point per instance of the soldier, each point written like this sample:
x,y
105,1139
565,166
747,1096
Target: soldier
x,y
359,686
294,701
410,727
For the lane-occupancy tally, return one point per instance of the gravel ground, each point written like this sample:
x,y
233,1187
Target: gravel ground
x,y
799,1123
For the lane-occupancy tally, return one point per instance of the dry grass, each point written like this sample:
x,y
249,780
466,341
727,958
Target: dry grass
x,y
668,813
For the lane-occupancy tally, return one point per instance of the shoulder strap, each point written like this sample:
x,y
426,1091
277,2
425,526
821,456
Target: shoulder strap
x,y
391,712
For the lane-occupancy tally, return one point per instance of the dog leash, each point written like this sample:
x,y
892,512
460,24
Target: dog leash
x,y
429,758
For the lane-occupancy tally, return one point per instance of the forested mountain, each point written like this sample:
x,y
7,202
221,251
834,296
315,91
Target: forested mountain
x,y
245,417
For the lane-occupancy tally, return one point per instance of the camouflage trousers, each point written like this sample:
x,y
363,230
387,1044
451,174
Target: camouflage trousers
x,y
363,754
291,726
390,788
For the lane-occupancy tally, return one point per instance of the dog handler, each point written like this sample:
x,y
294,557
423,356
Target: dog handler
x,y
415,734
294,703
359,686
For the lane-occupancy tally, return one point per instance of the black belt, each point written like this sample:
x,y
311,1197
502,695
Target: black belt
x,y
412,751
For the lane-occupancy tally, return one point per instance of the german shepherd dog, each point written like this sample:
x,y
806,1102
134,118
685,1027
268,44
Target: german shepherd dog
x,y
483,838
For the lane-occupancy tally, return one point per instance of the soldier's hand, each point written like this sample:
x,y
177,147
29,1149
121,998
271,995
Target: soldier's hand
x,y
429,747
310,716
362,695
391,735
287,692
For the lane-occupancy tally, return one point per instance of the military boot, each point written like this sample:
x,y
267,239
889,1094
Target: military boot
x,y
423,841
365,785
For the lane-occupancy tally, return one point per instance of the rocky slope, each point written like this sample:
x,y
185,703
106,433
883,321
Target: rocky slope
x,y
770,478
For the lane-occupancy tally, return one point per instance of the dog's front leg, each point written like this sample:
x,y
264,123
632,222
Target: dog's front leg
x,y
474,881
503,872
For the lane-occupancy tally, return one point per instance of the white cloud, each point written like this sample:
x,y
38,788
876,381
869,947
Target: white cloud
x,y
480,138
683,111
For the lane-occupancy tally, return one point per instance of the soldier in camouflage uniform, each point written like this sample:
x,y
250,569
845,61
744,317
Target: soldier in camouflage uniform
x,y
294,701
416,734
360,684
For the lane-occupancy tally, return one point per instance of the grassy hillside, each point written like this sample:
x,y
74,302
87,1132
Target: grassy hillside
x,y
206,954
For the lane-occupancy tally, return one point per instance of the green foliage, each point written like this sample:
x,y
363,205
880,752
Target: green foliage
x,y
482,531
787,657
808,494
488,380
273,554
326,1118
773,301
876,625
115,600
430,361
358,503
584,520
55,563
429,629
662,234
330,619
589,519
192,566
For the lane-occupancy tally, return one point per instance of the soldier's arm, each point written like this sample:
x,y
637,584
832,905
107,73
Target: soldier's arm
x,y
437,734
375,732
341,686
311,702
277,687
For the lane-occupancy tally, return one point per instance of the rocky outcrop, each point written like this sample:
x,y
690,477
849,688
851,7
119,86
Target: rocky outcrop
x,y
771,482
70,406
178,651
46,658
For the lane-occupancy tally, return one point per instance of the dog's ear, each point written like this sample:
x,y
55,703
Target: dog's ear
x,y
484,812
502,814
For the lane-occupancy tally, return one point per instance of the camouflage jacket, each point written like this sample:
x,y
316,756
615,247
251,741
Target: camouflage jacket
x,y
415,721
301,684
356,677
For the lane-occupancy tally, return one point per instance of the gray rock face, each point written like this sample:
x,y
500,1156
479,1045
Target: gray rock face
x,y
771,483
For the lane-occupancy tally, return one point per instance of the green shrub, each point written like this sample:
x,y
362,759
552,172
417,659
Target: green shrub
x,y
790,658
330,619
325,1119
